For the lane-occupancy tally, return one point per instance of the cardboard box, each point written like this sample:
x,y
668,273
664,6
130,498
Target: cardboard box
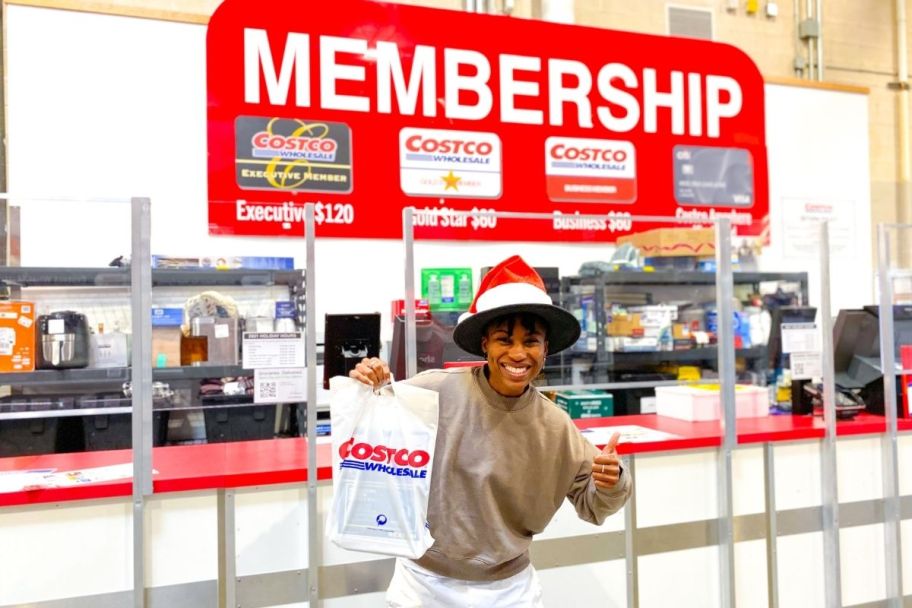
x,y
586,403
166,336
17,336
665,242
625,325
701,402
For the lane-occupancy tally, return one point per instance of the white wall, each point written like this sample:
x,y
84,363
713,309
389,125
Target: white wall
x,y
116,107
817,143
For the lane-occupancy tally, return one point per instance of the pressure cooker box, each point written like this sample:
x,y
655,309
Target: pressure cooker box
x,y
17,336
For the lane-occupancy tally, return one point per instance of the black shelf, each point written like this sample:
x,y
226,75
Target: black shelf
x,y
86,375
66,377
74,377
705,353
166,374
683,278
120,277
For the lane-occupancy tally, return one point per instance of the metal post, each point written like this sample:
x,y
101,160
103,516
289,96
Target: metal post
x,y
227,553
903,137
812,53
314,534
772,527
818,15
830,494
726,353
411,334
141,378
630,547
889,449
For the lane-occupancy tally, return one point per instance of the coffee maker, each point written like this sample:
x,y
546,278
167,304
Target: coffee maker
x,y
63,340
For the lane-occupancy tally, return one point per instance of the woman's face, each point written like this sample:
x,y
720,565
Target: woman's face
x,y
515,356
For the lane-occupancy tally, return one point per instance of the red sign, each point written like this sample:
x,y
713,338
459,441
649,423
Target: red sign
x,y
366,108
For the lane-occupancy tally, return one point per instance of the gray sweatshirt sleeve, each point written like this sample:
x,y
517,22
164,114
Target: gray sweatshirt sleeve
x,y
594,504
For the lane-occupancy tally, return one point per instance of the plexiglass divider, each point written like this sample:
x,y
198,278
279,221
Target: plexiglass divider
x,y
628,331
829,473
248,392
894,326
77,274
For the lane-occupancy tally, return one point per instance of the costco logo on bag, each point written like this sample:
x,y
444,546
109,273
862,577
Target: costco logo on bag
x,y
392,461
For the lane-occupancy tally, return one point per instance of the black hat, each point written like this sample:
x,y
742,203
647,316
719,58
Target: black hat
x,y
509,288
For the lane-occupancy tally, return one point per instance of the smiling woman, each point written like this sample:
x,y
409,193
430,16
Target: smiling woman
x,y
516,346
493,487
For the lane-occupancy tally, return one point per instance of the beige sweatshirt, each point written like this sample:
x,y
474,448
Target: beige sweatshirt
x,y
502,467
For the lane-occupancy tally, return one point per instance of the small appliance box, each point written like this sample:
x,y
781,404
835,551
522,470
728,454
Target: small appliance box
x,y
701,402
222,336
586,403
166,336
17,336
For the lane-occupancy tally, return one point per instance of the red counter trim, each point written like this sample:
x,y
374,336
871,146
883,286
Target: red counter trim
x,y
281,461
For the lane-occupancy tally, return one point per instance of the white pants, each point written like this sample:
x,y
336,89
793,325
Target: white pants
x,y
416,587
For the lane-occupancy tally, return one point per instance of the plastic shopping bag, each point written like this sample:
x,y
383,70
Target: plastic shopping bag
x,y
383,452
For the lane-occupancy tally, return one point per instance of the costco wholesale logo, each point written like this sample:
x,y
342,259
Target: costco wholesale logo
x,y
268,145
456,164
590,170
292,155
392,461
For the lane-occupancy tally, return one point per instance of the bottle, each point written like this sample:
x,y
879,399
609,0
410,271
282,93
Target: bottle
x,y
433,290
447,289
465,290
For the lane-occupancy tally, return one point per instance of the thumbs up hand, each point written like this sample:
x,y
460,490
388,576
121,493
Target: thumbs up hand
x,y
606,467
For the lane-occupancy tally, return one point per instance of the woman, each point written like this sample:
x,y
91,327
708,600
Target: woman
x,y
505,457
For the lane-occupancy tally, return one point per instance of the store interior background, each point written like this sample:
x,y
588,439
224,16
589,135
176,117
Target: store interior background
x,y
108,100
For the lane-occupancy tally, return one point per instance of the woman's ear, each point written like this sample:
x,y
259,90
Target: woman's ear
x,y
484,345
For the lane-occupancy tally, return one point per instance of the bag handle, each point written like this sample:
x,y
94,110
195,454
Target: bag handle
x,y
391,384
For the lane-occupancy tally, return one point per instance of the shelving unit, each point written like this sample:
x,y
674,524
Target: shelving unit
x,y
120,277
82,381
606,362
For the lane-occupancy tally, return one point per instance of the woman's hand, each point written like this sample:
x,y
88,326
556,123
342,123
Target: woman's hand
x,y
374,372
606,467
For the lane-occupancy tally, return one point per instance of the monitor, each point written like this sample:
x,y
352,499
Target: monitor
x,y
778,316
902,325
856,355
856,333
347,340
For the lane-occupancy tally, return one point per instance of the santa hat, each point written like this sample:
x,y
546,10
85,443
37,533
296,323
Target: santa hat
x,y
514,287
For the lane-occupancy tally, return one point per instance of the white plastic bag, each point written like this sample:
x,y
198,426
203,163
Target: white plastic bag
x,y
383,452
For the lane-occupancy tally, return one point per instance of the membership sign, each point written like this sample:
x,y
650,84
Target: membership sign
x,y
365,108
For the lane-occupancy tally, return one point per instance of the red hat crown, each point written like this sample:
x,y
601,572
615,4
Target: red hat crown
x,y
514,271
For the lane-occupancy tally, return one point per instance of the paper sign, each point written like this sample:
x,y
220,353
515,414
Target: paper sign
x,y
273,350
630,433
800,338
806,366
19,481
279,385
